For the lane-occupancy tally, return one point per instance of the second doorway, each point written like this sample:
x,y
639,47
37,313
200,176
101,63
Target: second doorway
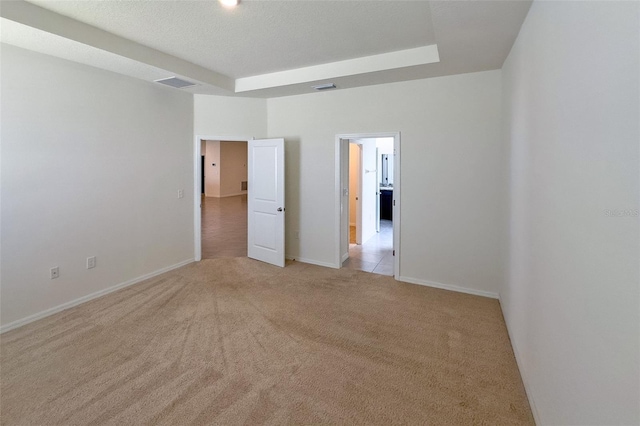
x,y
224,199
370,176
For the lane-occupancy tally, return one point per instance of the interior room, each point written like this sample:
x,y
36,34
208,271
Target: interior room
x,y
514,296
370,187
224,199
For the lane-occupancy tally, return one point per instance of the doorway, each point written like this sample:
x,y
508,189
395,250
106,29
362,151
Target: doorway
x,y
223,198
368,202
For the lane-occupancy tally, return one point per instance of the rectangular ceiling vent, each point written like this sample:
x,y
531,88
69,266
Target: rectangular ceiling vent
x,y
324,86
175,82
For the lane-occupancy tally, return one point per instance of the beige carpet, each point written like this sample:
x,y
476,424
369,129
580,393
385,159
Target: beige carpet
x,y
236,341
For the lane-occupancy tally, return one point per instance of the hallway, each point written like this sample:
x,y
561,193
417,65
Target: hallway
x,y
376,254
224,227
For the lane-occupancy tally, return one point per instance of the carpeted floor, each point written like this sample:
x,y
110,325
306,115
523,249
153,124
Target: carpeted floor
x,y
236,341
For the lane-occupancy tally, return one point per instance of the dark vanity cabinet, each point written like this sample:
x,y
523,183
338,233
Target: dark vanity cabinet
x,y
386,204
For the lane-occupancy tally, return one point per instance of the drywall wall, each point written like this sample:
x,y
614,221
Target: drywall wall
x,y
233,166
92,163
212,173
222,116
571,301
453,172
384,145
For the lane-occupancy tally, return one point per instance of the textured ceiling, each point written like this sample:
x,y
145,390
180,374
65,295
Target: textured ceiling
x,y
259,37
36,40
151,39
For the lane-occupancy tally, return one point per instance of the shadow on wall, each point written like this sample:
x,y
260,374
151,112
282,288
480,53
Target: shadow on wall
x,y
291,194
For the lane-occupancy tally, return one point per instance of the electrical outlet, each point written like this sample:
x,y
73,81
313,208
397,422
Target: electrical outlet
x,y
297,235
180,193
55,272
91,262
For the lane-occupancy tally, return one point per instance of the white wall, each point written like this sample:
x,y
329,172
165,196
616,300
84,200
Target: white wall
x,y
368,180
571,301
212,174
384,145
452,172
91,165
232,117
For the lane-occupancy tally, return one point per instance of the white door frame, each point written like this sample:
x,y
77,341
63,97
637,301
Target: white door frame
x,y
339,164
197,176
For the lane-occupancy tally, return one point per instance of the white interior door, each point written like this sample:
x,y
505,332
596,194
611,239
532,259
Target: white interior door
x,y
369,188
266,201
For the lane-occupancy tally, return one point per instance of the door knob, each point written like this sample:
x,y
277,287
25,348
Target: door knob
x,y
280,209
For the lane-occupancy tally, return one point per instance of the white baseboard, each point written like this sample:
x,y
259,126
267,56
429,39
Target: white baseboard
x,y
527,386
311,262
83,299
345,257
234,195
447,287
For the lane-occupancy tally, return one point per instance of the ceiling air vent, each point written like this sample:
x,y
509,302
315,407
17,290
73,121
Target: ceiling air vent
x,y
324,86
175,82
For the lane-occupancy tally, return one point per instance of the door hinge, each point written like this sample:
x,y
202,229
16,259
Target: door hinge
x,y
394,253
394,203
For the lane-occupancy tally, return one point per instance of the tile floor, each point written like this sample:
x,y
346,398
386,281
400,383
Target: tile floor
x,y
224,227
224,234
376,254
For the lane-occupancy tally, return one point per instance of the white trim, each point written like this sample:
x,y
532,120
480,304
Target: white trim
x,y
345,256
197,190
197,199
397,192
83,299
311,261
450,287
233,195
527,384
338,200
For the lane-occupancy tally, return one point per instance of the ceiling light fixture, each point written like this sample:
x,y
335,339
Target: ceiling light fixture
x,y
324,86
229,3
